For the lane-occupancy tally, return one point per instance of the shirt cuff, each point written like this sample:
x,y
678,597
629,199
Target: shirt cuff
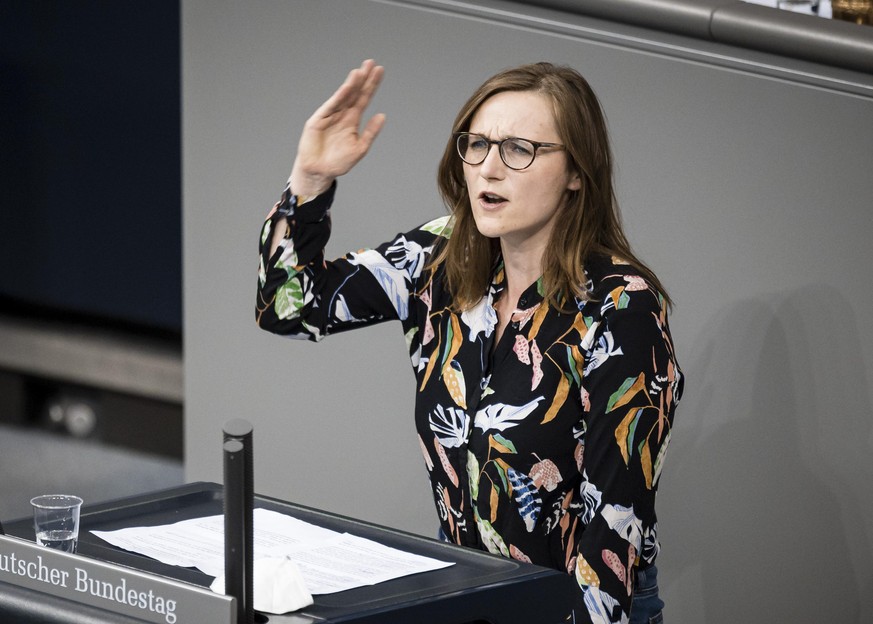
x,y
311,208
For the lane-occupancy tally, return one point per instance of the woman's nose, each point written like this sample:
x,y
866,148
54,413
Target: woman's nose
x,y
493,165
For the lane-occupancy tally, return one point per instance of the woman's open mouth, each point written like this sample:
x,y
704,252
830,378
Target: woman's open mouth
x,y
491,199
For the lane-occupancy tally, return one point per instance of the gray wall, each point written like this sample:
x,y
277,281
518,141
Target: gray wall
x,y
745,182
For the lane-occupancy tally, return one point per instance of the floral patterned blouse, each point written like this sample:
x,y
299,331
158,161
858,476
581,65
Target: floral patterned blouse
x,y
545,447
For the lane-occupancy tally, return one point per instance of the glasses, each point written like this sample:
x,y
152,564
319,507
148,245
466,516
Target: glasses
x,y
515,153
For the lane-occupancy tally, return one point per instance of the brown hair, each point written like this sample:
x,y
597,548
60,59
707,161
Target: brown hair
x,y
589,218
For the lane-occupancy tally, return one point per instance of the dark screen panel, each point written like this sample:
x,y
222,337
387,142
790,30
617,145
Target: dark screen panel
x,y
90,198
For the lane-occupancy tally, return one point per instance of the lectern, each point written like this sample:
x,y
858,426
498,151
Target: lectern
x,y
479,588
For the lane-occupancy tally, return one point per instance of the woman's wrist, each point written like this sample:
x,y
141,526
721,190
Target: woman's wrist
x,y
308,186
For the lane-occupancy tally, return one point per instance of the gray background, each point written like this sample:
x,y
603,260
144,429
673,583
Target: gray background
x,y
745,182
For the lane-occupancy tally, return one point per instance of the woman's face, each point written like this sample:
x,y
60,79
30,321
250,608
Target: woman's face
x,y
519,207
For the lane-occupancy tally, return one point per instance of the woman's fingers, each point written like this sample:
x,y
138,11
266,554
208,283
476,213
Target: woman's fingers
x,y
355,93
372,77
371,130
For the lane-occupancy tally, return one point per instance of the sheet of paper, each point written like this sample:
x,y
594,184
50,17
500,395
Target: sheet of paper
x,y
330,561
347,561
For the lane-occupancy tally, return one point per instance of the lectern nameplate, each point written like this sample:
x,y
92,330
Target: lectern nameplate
x,y
111,587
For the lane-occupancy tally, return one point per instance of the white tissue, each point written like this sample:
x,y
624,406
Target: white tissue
x,y
278,586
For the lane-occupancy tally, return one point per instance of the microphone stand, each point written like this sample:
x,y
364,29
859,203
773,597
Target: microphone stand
x,y
239,499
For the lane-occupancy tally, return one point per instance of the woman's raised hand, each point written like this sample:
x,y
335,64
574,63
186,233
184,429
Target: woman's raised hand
x,y
332,142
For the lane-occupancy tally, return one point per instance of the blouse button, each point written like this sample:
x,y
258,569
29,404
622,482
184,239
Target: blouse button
x,y
522,302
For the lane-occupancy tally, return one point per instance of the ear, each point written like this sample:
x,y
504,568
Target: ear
x,y
575,182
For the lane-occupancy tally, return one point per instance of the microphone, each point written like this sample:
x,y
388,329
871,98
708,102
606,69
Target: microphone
x,y
239,502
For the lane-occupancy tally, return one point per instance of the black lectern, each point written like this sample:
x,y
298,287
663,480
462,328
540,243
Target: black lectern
x,y
478,588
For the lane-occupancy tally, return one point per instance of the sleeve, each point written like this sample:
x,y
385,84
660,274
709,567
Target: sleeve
x,y
633,383
301,295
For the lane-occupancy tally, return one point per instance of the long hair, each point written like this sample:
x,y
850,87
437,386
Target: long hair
x,y
589,219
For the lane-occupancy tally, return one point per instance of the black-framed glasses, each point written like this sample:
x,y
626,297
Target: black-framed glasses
x,y
516,153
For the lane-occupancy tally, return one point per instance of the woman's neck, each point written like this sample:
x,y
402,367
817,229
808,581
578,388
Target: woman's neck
x,y
522,267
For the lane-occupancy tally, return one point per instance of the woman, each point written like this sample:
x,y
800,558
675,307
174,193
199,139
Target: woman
x,y
546,378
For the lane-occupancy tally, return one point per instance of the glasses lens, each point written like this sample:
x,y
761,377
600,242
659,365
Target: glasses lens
x,y
517,153
472,148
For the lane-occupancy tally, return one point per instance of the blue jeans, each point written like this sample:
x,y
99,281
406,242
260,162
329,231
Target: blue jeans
x,y
647,606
